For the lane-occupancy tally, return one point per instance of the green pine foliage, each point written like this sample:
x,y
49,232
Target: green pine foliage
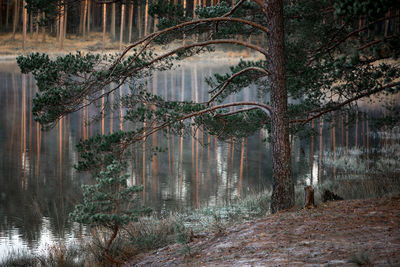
x,y
110,202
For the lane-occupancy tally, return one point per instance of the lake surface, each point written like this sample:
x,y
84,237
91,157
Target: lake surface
x,y
39,185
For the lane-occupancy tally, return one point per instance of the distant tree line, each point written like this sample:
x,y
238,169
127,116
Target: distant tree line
x,y
119,20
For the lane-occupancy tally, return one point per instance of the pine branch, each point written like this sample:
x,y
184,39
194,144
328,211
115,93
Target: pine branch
x,y
228,81
340,105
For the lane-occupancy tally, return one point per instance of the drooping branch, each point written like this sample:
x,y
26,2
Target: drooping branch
x,y
149,38
179,49
228,81
339,42
236,112
375,42
207,110
237,5
337,106
157,59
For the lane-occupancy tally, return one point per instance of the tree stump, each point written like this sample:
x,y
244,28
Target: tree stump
x,y
308,197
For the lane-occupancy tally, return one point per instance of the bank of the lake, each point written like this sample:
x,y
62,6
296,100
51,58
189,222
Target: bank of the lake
x,y
343,233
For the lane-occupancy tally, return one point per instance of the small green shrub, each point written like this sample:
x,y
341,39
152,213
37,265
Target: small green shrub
x,y
361,258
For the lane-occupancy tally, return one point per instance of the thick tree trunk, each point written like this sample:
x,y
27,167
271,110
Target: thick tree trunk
x,y
283,188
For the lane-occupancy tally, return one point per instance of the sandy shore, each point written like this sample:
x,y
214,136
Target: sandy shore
x,y
11,48
343,233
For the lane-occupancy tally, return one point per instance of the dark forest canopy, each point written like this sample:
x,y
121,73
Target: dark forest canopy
x,y
323,55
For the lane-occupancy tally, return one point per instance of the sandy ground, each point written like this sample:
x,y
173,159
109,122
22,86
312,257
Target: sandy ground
x,y
10,48
329,235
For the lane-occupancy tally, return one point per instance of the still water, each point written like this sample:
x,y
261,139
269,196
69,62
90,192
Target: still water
x,y
39,185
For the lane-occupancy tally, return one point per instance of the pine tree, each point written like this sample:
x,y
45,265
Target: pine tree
x,y
109,203
313,54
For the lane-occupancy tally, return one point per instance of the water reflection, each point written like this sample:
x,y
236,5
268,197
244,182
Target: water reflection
x,y
39,185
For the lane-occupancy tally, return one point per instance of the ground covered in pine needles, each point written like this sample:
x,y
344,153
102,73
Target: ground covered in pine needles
x,y
341,233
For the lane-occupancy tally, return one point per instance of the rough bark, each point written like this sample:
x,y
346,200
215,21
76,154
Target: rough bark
x,y
283,188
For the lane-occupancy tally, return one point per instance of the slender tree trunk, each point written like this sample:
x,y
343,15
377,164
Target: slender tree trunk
x,y
146,17
43,30
387,22
65,19
139,21
155,23
84,18
130,22
104,24
347,133
61,31
89,18
321,128
30,23
25,18
356,131
7,14
81,18
58,22
283,187
1,14
16,18
194,8
112,30
37,29
312,154
121,34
